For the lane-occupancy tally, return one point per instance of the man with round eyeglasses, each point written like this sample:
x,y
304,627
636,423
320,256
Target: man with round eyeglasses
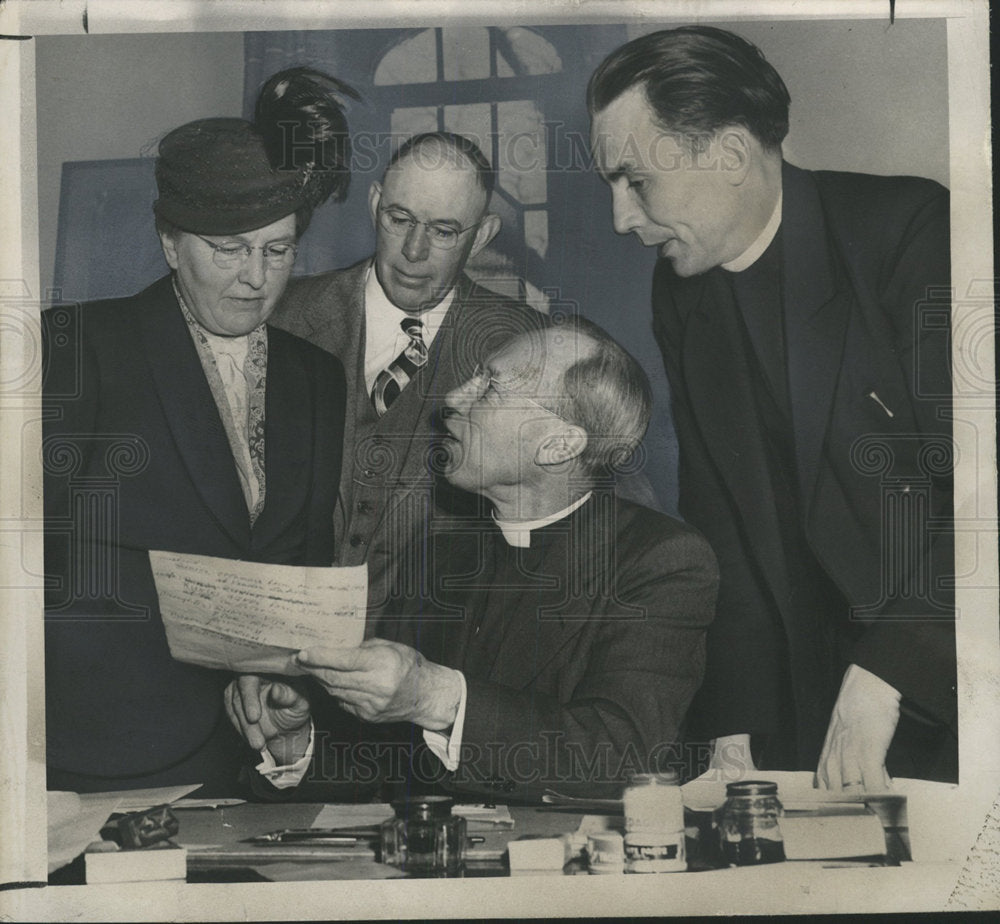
x,y
408,325
441,235
179,419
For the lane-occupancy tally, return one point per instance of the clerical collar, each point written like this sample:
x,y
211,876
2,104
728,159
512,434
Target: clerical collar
x,y
382,317
518,532
754,252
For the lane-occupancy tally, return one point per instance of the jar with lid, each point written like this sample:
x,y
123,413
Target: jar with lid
x,y
605,853
654,824
749,827
424,838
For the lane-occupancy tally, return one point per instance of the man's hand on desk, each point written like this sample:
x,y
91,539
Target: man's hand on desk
x,y
731,754
861,728
383,681
269,713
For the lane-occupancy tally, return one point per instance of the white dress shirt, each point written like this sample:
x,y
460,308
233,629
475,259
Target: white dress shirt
x,y
384,338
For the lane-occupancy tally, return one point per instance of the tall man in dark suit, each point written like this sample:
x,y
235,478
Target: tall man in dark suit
x,y
566,637
178,419
803,320
409,326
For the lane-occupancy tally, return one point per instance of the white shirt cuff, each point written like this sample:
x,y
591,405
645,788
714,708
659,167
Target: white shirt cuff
x,y
289,775
871,684
448,747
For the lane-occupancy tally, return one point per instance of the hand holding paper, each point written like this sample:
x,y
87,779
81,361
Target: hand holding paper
x,y
383,681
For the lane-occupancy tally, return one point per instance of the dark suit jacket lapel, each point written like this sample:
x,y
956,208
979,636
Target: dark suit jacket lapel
x,y
718,381
190,409
816,313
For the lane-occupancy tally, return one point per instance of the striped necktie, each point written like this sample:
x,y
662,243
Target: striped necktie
x,y
390,382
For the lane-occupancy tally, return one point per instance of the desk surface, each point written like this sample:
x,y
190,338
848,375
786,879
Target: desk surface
x,y
215,839
279,893
218,849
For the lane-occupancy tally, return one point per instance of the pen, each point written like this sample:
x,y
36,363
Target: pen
x,y
334,836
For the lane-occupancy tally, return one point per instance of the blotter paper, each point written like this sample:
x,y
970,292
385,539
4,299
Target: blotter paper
x,y
251,617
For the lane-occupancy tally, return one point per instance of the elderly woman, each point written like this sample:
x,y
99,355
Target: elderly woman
x,y
179,419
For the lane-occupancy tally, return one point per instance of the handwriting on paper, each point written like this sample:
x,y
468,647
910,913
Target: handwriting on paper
x,y
252,617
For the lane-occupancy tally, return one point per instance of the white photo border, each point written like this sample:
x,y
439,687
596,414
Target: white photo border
x,y
960,814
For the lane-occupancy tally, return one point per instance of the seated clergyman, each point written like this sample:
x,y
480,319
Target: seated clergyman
x,y
563,638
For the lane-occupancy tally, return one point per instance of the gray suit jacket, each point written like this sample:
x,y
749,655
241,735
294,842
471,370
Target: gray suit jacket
x,y
388,486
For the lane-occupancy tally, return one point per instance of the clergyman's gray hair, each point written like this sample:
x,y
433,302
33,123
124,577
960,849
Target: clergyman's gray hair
x,y
607,393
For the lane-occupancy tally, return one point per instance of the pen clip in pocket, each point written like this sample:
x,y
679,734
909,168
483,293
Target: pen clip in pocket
x,y
874,396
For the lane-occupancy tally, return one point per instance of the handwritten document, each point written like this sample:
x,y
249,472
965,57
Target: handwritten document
x,y
252,618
